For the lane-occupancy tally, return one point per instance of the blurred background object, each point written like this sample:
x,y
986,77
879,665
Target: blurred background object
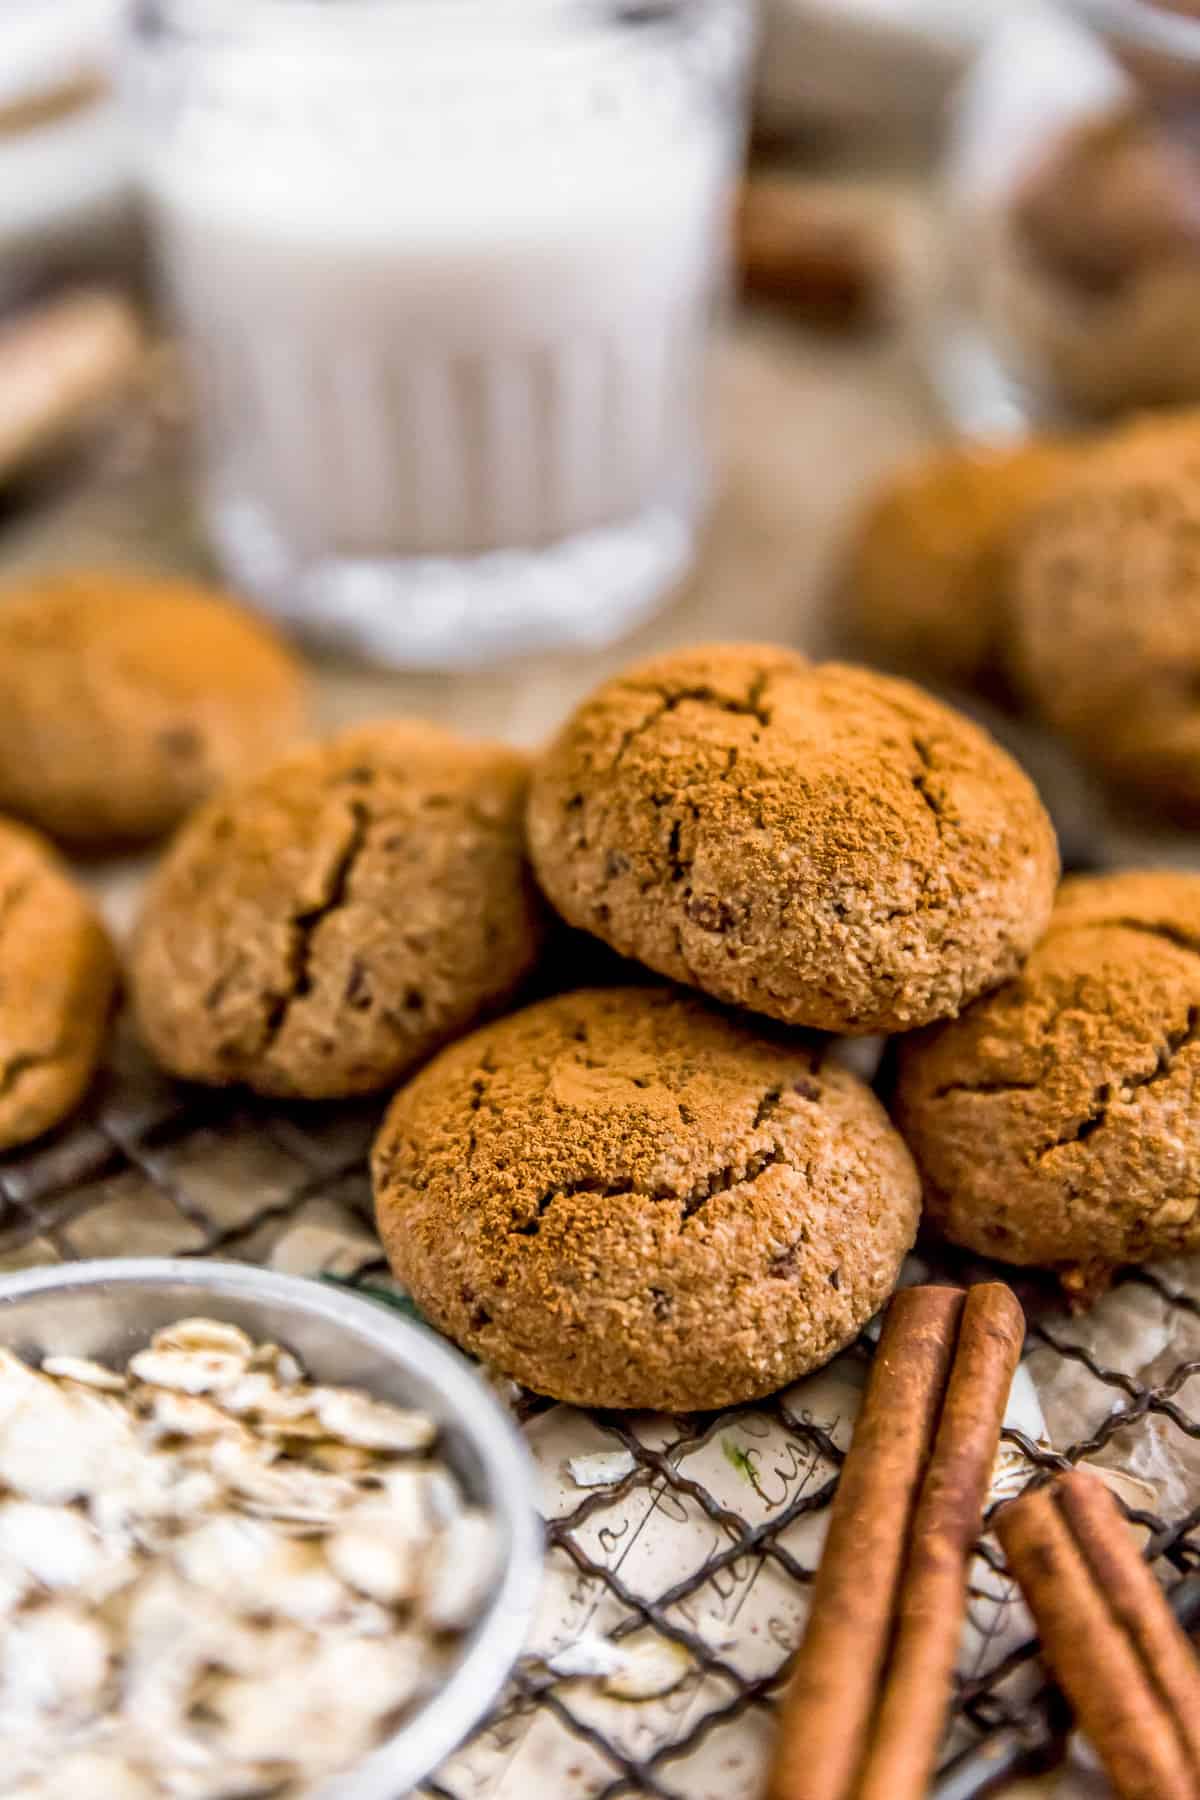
x,y
1073,218
880,67
830,259
64,364
65,171
447,276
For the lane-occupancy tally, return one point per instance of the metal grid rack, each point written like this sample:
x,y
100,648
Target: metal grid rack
x,y
153,1168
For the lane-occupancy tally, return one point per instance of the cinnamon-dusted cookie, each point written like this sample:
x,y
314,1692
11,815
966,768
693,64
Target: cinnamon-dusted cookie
x,y
1106,611
325,927
823,844
128,697
623,1197
925,580
57,979
1057,1122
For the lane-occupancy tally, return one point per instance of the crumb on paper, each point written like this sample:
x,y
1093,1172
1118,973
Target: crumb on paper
x,y
651,1666
603,1469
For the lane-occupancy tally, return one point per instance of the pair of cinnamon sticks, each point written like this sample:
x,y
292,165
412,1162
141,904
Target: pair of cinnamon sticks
x,y
1108,1636
864,1714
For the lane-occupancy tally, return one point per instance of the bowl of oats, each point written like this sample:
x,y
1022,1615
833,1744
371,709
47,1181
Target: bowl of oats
x,y
257,1538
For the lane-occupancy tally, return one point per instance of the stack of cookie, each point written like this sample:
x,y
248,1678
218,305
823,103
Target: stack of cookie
x,y
1063,578
631,1196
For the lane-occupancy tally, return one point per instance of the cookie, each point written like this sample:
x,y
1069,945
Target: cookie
x,y
328,925
925,579
126,698
625,1198
57,978
1056,1123
822,844
1106,612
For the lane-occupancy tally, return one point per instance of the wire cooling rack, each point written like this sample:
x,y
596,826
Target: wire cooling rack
x,y
698,1550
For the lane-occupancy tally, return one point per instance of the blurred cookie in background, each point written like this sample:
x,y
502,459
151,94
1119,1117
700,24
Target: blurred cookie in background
x,y
127,697
923,582
833,254
1105,612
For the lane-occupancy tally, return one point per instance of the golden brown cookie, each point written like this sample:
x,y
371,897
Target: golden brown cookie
x,y
823,844
325,927
1106,611
126,698
623,1197
925,580
57,979
1057,1122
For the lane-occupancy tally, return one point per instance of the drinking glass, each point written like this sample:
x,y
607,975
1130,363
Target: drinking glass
x,y
447,272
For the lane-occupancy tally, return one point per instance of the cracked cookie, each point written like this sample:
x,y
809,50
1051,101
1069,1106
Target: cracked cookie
x,y
57,979
925,578
625,1198
1106,612
325,927
820,843
1057,1122
127,698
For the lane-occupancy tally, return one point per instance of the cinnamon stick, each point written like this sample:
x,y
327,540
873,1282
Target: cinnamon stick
x,y
1099,1528
827,1710
912,1714
1108,1637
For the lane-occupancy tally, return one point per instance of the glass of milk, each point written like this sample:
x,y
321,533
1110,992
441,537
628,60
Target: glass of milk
x,y
447,273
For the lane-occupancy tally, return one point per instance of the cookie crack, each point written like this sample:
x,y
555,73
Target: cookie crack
x,y
480,1084
720,1181
302,926
1106,1094
751,707
920,781
984,1087
766,1107
704,695
728,1177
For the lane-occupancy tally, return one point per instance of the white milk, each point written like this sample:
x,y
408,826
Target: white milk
x,y
507,358
447,271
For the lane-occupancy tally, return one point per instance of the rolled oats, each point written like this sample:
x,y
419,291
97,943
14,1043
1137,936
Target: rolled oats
x,y
217,1578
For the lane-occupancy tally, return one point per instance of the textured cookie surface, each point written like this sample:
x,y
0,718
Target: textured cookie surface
x,y
323,928
1106,611
626,1198
125,699
57,977
822,844
926,577
1057,1122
